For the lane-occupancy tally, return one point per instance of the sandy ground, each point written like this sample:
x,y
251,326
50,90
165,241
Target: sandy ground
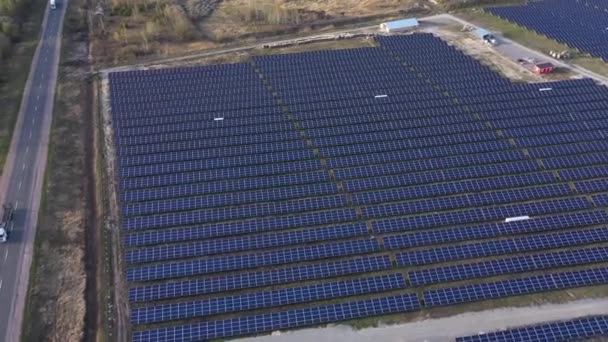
x,y
448,328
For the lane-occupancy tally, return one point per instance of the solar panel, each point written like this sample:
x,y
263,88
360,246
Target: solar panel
x,y
577,329
506,266
267,299
515,287
259,279
244,261
246,325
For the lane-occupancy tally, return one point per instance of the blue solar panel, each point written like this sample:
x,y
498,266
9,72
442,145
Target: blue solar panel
x,y
509,246
232,213
578,329
259,279
267,299
574,23
280,171
244,261
515,287
505,266
245,227
479,215
245,243
563,221
246,325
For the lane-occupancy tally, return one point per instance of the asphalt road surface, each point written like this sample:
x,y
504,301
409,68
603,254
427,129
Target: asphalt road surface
x,y
24,172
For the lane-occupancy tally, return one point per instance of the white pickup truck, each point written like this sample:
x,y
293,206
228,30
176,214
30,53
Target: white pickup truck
x,y
7,217
53,4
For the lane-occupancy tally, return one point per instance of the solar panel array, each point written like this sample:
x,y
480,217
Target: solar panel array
x,y
577,329
580,24
252,193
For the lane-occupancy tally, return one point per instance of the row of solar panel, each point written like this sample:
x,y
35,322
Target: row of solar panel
x,y
449,235
387,141
267,299
386,106
197,267
238,244
371,197
281,320
224,186
349,215
509,246
350,310
261,259
272,277
493,230
229,199
243,212
429,256
346,115
515,287
480,215
578,329
517,264
337,201
278,170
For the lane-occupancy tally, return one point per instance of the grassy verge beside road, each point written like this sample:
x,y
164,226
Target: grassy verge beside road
x,y
531,39
56,307
14,71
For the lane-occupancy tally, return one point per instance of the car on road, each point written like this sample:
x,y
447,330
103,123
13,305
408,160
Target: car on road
x,y
6,218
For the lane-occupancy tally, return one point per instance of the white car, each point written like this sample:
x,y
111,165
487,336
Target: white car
x,y
3,235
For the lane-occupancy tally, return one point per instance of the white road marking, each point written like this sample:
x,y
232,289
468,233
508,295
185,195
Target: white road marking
x,y
23,166
16,204
33,120
19,186
35,108
27,149
0,284
37,97
30,134
5,255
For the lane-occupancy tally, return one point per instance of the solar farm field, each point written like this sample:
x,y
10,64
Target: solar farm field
x,y
581,24
317,187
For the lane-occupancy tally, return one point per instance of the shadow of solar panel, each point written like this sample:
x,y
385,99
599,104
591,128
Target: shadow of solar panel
x,y
246,325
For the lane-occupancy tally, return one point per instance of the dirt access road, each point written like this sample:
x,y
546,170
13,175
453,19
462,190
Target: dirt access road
x,y
21,183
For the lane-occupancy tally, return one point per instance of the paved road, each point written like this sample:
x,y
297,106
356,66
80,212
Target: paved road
x,y
24,172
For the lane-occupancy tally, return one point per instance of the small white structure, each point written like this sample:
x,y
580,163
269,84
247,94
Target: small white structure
x,y
399,25
517,218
